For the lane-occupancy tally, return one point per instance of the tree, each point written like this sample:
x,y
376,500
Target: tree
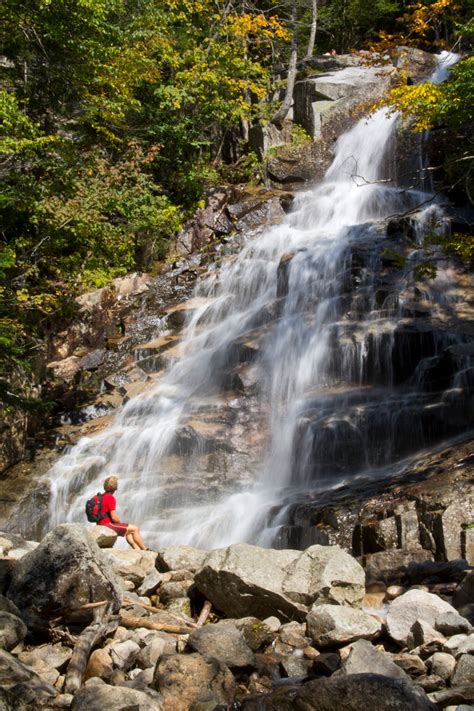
x,y
313,27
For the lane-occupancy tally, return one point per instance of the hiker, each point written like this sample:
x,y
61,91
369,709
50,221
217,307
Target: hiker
x,y
131,533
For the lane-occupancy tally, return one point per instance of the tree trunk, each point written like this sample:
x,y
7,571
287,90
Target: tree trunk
x,y
312,34
280,115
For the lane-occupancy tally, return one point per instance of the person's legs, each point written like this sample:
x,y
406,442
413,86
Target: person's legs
x,y
134,538
131,541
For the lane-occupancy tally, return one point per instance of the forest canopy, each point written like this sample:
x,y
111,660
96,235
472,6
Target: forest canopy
x,y
114,116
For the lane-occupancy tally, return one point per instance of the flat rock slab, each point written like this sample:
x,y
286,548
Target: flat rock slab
x,y
244,580
412,606
332,624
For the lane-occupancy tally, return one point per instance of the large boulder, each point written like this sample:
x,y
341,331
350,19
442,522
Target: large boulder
x,y
65,572
224,642
332,624
244,580
183,679
180,557
355,692
317,96
412,606
364,658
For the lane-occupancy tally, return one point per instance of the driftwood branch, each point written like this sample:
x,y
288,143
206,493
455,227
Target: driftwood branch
x,y
204,613
150,608
89,637
133,623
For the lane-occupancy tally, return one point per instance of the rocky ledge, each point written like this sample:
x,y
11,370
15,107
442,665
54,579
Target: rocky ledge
x,y
241,627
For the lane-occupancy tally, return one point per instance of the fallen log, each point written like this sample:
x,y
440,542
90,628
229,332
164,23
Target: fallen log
x,y
89,637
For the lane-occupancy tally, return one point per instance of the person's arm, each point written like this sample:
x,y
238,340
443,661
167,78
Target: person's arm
x,y
111,505
114,517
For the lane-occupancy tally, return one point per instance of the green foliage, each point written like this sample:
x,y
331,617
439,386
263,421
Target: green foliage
x,y
112,113
248,169
345,24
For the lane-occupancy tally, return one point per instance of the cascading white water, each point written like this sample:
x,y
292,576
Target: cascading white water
x,y
300,371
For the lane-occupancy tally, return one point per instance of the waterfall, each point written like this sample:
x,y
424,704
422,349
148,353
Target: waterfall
x,y
328,398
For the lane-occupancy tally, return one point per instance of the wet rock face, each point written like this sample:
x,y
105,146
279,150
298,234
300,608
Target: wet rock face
x,y
398,526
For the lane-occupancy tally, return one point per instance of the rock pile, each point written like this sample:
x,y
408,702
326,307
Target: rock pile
x,y
242,627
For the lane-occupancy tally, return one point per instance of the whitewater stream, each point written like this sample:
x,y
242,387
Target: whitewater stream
x,y
327,387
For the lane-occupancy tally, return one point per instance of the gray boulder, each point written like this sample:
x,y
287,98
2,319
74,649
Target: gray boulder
x,y
7,605
23,682
55,655
246,580
124,653
179,558
354,692
454,696
185,679
12,630
414,605
464,595
119,698
364,658
103,536
423,634
450,623
332,624
66,571
150,583
464,671
412,664
151,652
224,642
442,664
466,646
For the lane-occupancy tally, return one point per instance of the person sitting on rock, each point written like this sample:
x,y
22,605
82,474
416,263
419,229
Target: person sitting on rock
x,y
109,505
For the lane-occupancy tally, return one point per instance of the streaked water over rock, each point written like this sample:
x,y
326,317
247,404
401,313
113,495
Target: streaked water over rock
x,y
318,353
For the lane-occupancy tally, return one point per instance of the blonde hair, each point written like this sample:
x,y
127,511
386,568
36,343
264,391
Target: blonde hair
x,y
110,484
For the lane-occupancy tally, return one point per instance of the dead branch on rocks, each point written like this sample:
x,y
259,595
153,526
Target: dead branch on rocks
x,y
204,613
133,623
62,636
89,637
150,608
